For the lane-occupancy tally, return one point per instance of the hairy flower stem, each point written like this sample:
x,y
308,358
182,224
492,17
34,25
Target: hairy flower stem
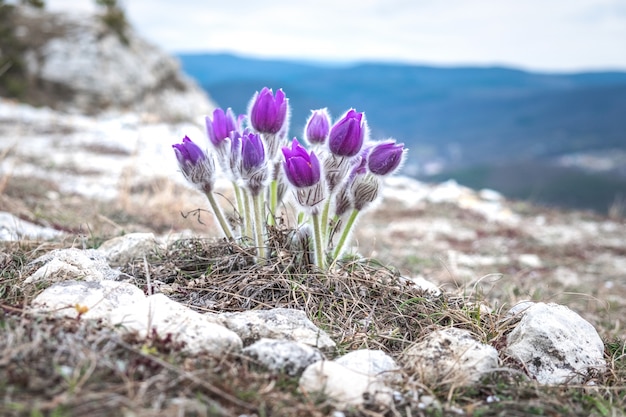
x,y
248,217
325,224
219,215
273,202
241,208
259,225
317,238
345,234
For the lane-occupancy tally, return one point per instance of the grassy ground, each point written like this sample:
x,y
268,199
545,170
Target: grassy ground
x,y
66,367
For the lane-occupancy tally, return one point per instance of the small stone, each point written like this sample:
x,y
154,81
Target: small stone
x,y
450,356
422,284
374,363
530,260
343,386
277,323
124,249
72,264
554,343
95,300
196,331
283,355
13,228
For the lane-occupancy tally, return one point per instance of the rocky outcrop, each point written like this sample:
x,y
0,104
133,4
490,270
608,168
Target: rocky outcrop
x,y
79,64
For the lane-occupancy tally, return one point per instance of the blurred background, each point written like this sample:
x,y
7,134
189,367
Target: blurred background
x,y
527,98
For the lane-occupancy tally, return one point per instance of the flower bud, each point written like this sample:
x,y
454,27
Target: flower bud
x,y
301,168
268,113
348,134
385,158
303,171
364,190
195,165
317,127
220,127
254,167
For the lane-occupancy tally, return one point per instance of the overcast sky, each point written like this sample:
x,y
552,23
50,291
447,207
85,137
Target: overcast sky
x,y
548,35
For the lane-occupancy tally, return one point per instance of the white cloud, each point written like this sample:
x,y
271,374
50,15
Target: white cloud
x,y
548,35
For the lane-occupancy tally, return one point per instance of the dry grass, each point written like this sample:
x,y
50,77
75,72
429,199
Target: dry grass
x,y
64,367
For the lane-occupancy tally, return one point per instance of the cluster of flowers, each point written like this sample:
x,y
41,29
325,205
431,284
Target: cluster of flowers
x,y
332,182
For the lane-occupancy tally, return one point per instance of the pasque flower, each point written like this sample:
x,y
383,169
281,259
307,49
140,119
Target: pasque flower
x,y
268,113
254,166
199,170
195,165
221,125
301,167
348,134
303,171
317,127
385,158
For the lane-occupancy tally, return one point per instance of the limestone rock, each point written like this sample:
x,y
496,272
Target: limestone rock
x,y
13,228
450,356
72,264
94,300
283,355
374,363
554,343
422,284
343,386
77,63
277,323
126,308
166,316
123,249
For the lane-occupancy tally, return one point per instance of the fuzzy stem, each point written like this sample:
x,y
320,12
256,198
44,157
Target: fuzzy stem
x,y
273,202
317,238
325,225
240,207
248,215
345,234
259,224
219,216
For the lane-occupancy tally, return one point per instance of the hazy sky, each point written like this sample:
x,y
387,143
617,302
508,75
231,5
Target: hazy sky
x,y
551,35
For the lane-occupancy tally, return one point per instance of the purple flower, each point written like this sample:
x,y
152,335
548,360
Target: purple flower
x,y
317,127
188,152
301,168
385,158
221,126
197,168
255,171
348,134
252,152
268,113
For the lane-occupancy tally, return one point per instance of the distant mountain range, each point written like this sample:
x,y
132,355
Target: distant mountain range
x,y
456,121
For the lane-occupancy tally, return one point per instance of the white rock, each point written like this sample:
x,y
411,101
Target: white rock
x,y
13,228
343,386
72,264
131,75
198,332
98,300
277,323
554,343
450,356
123,249
530,260
374,363
125,307
422,284
283,355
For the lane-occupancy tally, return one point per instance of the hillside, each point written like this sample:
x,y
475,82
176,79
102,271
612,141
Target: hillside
x,y
452,119
113,177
